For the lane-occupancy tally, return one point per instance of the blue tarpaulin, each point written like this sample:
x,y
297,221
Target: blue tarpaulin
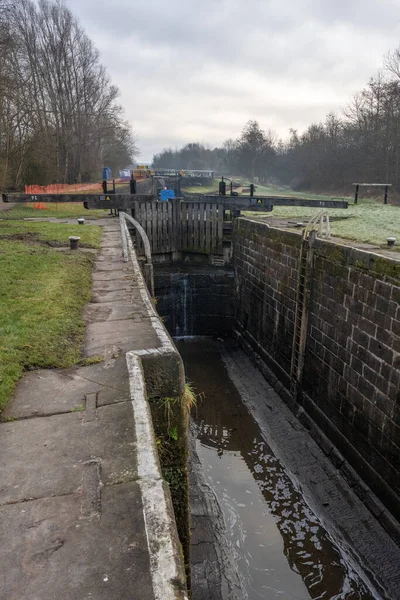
x,y
166,195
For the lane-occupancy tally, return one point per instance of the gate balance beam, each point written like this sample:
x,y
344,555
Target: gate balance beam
x,y
263,203
103,201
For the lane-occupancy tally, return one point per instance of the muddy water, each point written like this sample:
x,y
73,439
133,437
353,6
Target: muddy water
x,y
279,546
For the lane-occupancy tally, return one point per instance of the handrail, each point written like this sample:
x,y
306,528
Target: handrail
x,y
148,267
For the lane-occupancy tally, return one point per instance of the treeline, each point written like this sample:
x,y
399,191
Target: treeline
x,y
252,154
362,144
59,119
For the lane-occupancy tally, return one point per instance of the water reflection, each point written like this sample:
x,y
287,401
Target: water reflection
x,y
281,548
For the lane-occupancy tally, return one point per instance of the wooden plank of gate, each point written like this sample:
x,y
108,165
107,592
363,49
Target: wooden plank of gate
x,y
200,220
206,217
179,208
190,227
207,226
182,225
161,225
196,226
170,227
154,210
220,228
148,223
201,228
194,235
136,210
195,229
186,227
164,226
213,227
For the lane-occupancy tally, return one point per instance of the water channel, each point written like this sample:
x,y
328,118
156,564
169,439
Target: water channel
x,y
280,548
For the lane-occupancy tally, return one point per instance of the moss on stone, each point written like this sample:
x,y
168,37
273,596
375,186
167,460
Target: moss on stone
x,y
171,421
388,268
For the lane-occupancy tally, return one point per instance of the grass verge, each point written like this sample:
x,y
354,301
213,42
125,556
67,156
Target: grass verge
x,y
368,222
212,188
42,294
53,234
64,210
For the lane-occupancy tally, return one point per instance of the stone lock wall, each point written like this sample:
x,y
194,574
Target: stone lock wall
x,y
351,377
195,300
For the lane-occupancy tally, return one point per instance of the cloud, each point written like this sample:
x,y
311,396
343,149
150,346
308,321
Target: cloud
x,y
192,70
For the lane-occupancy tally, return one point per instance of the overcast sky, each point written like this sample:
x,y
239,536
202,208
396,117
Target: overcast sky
x,y
198,70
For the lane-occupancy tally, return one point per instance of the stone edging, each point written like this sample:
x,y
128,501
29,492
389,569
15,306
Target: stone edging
x,y
166,565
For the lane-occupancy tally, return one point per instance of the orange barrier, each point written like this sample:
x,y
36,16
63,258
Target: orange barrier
x,y
66,188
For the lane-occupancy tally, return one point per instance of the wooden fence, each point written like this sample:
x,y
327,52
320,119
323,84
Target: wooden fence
x,y
176,226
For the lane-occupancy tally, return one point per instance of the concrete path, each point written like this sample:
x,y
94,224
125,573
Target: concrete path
x,y
6,205
74,519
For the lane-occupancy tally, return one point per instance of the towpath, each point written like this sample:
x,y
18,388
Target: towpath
x,y
84,512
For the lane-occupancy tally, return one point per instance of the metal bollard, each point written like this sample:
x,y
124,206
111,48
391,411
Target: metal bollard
x,y
74,242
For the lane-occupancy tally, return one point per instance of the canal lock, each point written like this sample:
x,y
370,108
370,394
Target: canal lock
x,y
253,533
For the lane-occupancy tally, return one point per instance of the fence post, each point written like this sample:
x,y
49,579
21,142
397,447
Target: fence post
x,y
385,199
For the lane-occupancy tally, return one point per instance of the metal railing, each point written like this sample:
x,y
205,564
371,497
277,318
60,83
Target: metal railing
x,y
148,266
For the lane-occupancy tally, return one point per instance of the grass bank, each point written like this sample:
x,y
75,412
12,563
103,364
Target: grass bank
x,y
53,234
62,210
367,222
42,293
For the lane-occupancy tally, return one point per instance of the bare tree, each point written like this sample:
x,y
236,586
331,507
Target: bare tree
x,y
58,110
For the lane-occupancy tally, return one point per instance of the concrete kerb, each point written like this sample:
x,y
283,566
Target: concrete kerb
x,y
160,372
167,572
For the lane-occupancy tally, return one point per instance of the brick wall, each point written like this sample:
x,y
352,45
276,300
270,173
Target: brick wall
x,y
351,385
266,277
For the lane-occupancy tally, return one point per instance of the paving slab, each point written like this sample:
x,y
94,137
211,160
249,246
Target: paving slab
x,y
111,260
118,310
112,252
115,274
55,449
112,285
111,241
113,296
126,334
57,551
54,391
48,392
102,265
